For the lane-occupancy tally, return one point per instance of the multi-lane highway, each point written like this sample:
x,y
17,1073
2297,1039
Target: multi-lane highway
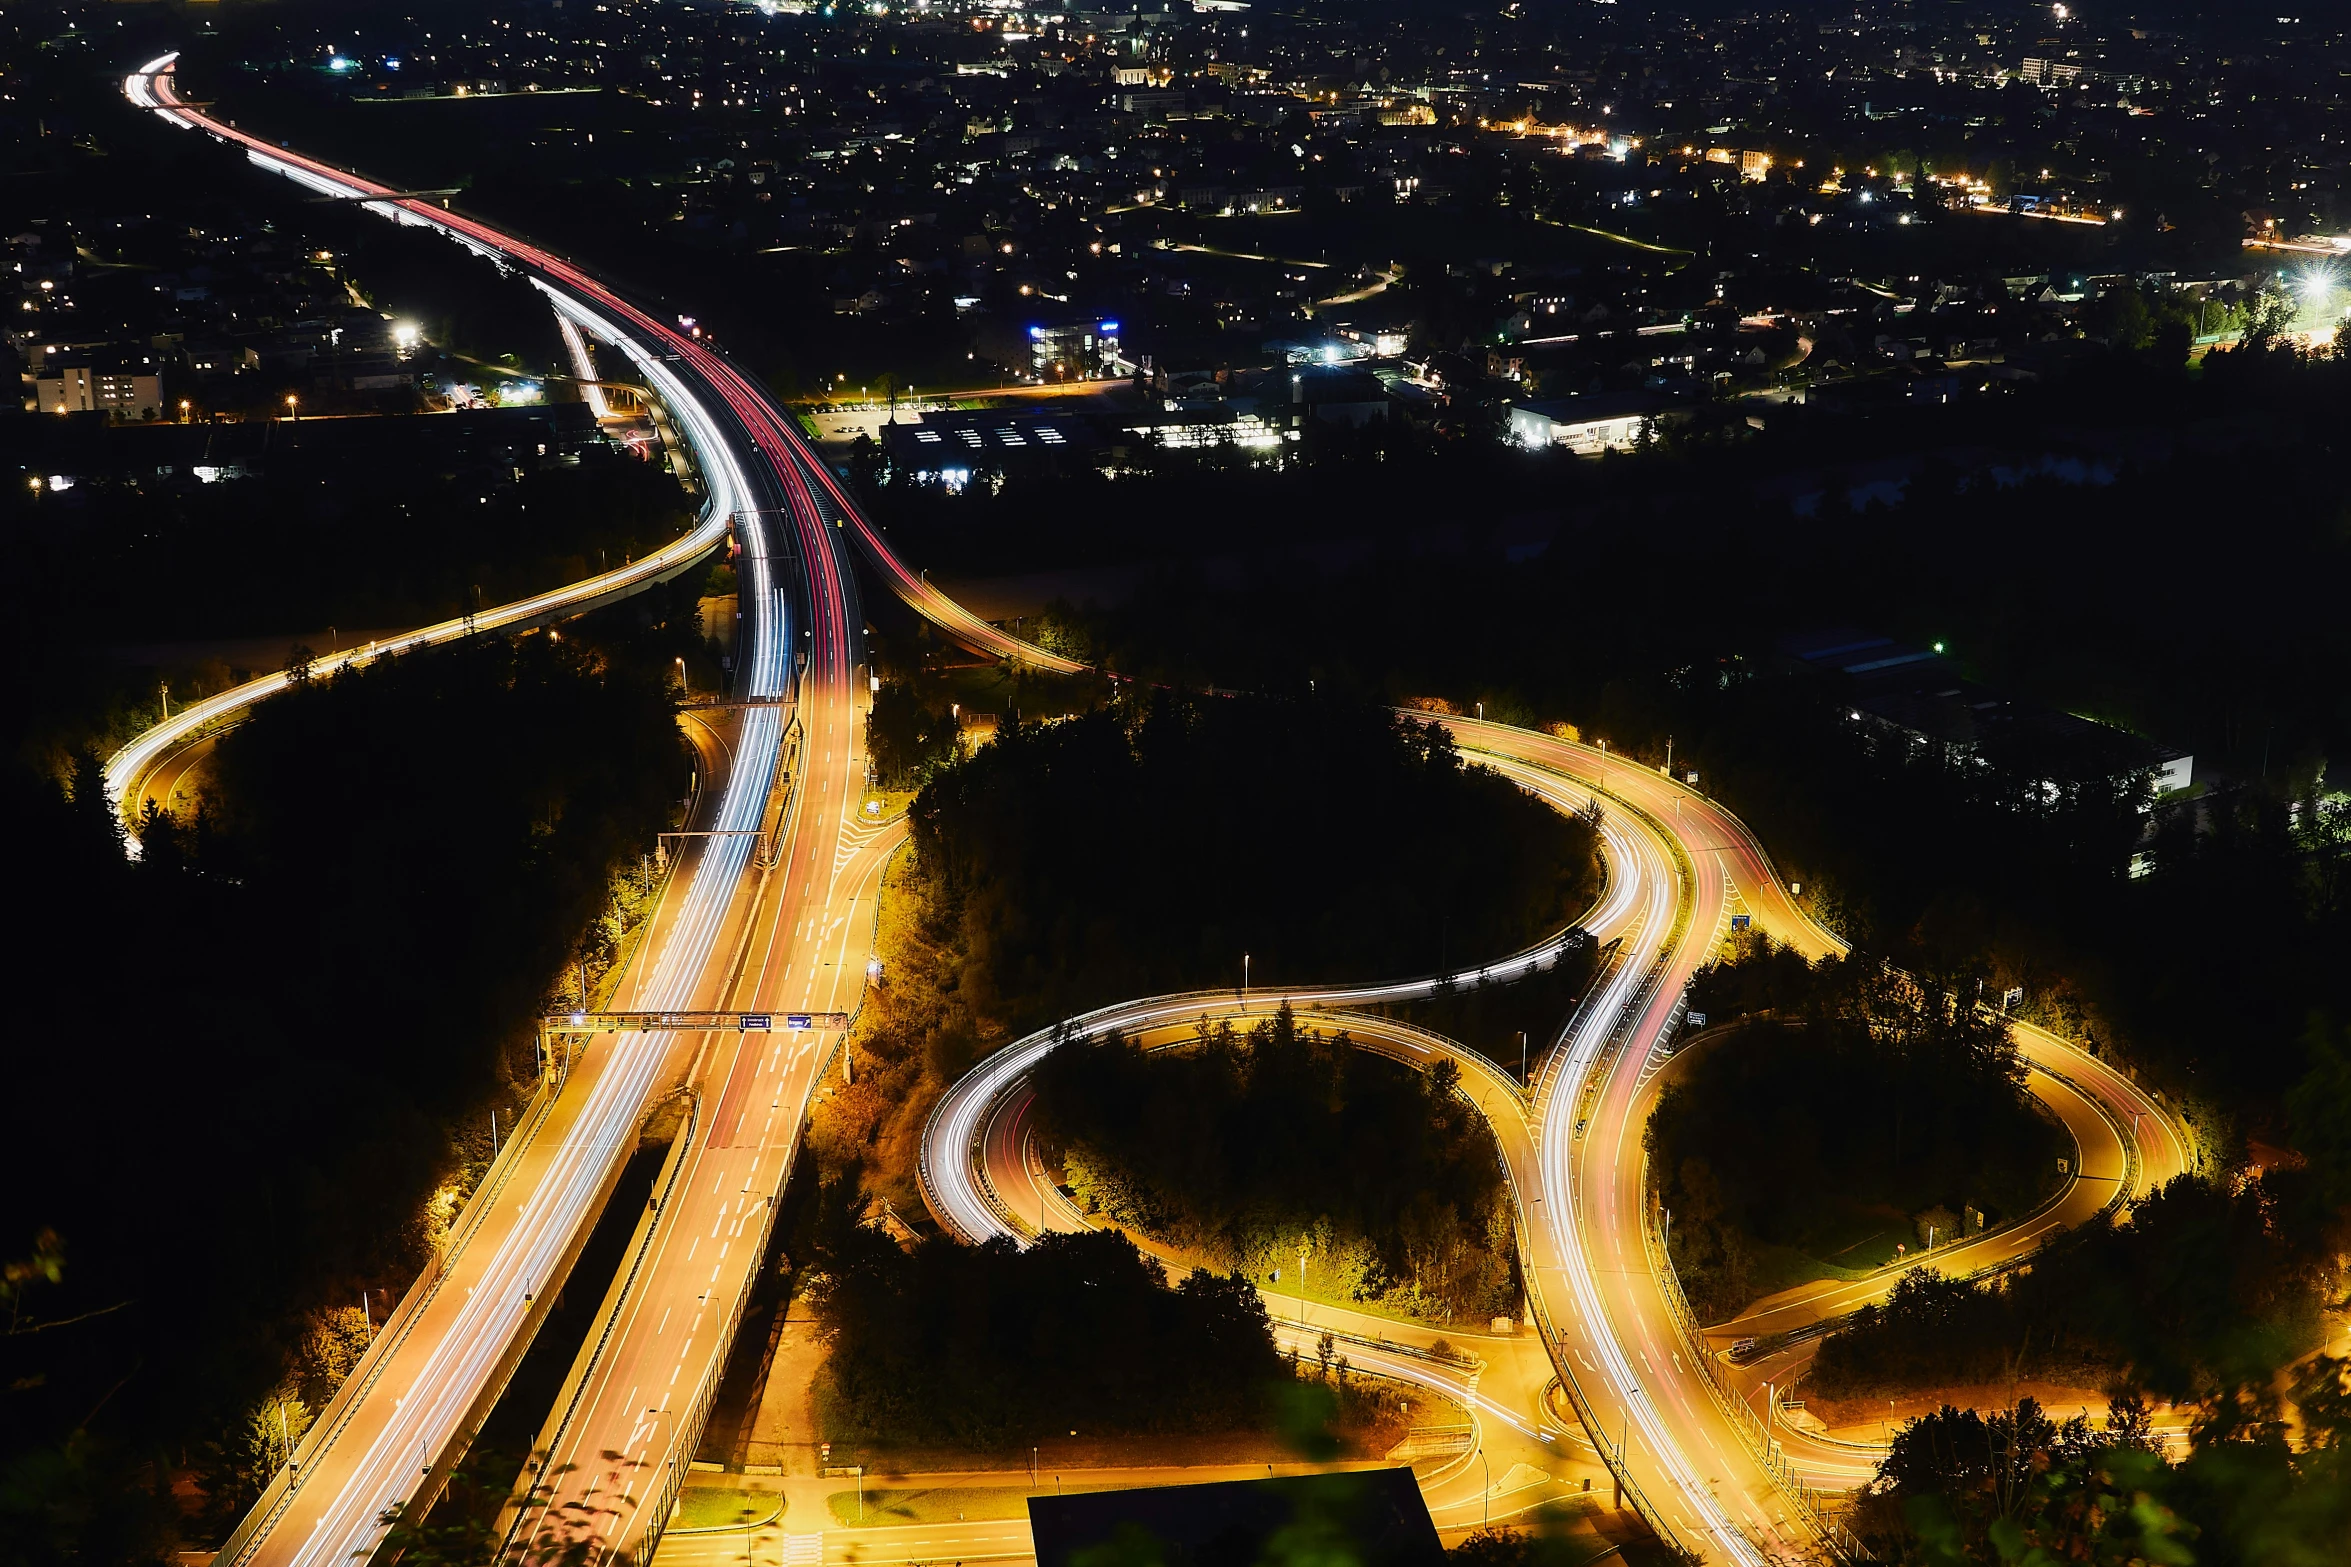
x,y
729,933
757,920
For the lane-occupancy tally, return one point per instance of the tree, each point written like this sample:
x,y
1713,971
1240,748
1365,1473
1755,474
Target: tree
x,y
2269,319
1958,1488
2319,1109
94,816
235,1467
909,740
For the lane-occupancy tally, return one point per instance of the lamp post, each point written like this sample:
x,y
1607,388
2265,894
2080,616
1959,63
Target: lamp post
x,y
292,410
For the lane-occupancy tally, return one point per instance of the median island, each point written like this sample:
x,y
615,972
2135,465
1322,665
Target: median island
x,y
1841,1119
1289,1156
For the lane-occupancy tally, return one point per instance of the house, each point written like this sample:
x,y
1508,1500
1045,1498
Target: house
x,y
125,383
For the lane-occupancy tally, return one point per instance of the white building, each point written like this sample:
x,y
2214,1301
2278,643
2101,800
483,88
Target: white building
x,y
1584,424
127,386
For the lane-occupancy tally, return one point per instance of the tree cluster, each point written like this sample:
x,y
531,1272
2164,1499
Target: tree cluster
x,y
2203,1291
293,1012
303,548
1128,852
1247,1149
1857,1091
992,1346
2016,1486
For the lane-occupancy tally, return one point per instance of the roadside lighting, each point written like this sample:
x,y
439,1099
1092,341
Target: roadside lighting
x,y
184,405
669,1458
290,407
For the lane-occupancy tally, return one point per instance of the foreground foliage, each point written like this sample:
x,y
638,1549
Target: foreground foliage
x,y
2204,1290
2018,1487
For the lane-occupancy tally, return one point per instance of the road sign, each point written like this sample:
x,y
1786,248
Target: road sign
x,y
797,1020
757,1020
1739,921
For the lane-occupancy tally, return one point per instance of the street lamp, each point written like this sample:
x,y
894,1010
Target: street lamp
x,y
291,411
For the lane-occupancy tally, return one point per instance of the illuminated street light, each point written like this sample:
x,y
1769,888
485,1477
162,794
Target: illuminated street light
x,y
291,413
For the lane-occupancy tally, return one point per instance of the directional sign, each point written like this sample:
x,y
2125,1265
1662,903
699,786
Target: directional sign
x,y
797,1020
1739,922
757,1020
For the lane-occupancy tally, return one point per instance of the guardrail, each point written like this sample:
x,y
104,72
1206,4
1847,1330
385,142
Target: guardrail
x,y
1766,1448
689,1429
1596,1075
567,1398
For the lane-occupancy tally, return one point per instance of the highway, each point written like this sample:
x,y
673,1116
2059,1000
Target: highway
x,y
409,1409
785,935
1678,867
789,932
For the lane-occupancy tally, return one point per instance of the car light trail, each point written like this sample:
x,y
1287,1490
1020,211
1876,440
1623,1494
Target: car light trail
x,y
443,1385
